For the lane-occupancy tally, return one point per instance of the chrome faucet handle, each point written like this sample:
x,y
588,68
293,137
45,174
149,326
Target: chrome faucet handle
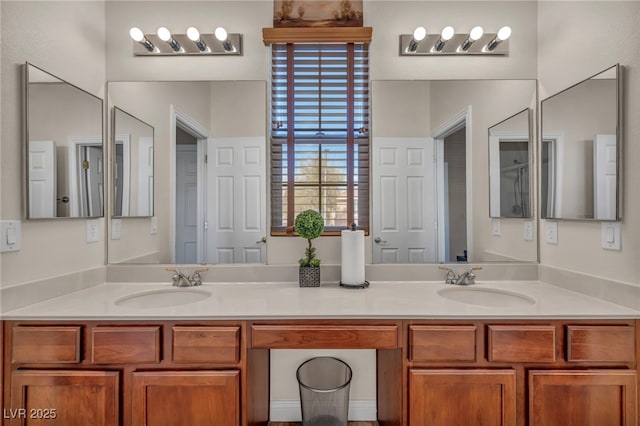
x,y
471,277
452,277
196,279
176,277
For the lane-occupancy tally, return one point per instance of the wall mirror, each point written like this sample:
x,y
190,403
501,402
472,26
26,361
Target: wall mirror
x,y
63,147
510,157
209,156
132,165
581,150
430,171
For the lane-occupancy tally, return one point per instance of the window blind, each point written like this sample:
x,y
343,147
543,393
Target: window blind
x,y
320,134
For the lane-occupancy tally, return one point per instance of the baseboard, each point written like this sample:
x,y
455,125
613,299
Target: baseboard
x,y
289,410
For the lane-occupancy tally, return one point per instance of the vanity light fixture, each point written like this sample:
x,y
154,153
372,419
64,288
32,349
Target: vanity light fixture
x,y
418,35
448,42
165,35
503,34
137,35
194,43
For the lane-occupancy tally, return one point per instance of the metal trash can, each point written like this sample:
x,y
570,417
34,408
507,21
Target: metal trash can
x,y
324,391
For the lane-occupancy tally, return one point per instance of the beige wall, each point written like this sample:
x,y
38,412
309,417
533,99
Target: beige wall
x,y
67,39
575,41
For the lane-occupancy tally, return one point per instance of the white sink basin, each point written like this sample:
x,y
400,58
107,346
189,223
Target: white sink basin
x,y
163,298
486,297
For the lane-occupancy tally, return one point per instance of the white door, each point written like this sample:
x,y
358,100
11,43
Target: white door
x,y
93,180
236,200
404,194
42,179
145,176
604,185
186,204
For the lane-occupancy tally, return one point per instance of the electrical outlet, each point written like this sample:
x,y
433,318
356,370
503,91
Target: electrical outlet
x,y
528,230
551,232
116,228
93,231
10,235
495,227
154,225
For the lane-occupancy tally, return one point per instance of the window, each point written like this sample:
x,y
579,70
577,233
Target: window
x,y
320,134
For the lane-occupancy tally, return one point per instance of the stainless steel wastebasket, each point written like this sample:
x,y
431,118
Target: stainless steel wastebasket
x,y
324,391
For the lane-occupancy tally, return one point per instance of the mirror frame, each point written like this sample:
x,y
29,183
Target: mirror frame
x,y
113,165
25,143
530,155
619,146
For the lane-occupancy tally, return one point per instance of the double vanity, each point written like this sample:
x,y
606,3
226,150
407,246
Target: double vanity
x,y
496,352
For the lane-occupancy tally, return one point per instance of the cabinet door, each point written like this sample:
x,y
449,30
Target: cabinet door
x,y
178,398
584,398
462,397
69,398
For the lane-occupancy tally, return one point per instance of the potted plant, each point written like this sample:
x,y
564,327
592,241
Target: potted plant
x,y
309,225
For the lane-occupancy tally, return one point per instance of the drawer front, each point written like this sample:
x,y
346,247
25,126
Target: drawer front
x,y
206,344
121,345
324,337
522,343
602,343
442,343
46,344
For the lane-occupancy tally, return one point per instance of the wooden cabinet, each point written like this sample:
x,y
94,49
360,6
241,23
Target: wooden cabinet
x,y
64,397
583,397
194,398
462,397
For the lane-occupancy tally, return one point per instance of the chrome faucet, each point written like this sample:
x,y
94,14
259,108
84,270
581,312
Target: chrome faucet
x,y
181,279
466,278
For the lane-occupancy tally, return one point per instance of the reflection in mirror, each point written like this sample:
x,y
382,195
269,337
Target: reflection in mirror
x,y
133,165
209,140
64,150
580,152
430,171
509,159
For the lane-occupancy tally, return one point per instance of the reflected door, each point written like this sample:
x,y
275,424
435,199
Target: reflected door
x,y
404,195
186,204
42,179
236,200
605,176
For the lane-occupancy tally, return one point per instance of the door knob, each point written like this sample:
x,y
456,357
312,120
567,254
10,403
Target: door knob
x,y
379,240
262,240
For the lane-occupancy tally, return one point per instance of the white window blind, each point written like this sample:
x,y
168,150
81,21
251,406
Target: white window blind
x,y
320,134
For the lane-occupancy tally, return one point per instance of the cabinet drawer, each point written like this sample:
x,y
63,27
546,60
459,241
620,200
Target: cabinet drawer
x,y
522,343
442,343
606,343
46,344
206,344
131,344
324,336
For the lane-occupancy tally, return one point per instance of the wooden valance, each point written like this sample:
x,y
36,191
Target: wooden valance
x,y
317,35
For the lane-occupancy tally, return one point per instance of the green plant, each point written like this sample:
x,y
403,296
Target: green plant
x,y
309,224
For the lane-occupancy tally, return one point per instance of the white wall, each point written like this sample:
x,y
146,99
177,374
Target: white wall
x,y
67,39
575,41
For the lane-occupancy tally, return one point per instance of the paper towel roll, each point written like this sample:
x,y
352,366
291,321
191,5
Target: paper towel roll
x,y
352,257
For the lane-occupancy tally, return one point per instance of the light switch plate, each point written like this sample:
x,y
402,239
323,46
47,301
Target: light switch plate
x,y
116,228
611,236
154,225
495,226
10,235
528,230
551,232
93,231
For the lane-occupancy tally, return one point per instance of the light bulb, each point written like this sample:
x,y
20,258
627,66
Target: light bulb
x,y
419,33
136,34
447,33
476,33
193,34
164,34
220,33
504,33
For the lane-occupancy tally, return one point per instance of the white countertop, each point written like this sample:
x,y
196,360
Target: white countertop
x,y
382,300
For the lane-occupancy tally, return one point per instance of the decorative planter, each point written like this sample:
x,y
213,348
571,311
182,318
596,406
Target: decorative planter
x,y
309,276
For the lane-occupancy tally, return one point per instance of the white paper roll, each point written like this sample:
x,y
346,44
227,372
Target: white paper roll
x,y
352,257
